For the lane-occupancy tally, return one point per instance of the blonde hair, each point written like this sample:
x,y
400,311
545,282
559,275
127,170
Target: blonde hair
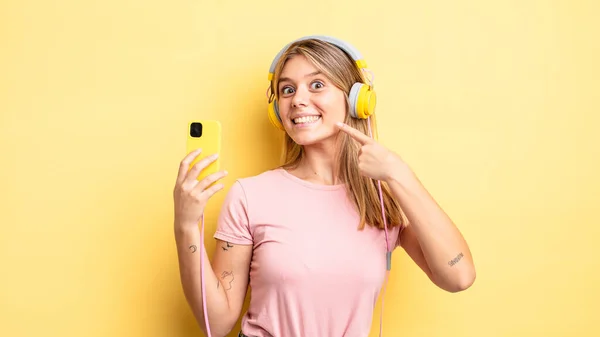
x,y
339,68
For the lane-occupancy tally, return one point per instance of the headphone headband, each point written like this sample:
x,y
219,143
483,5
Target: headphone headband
x,y
349,49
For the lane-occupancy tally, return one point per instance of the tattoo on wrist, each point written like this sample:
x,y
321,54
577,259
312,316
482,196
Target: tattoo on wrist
x,y
226,246
455,260
227,277
193,248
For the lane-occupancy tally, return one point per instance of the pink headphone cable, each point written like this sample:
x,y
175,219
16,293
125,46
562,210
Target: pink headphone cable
x,y
208,334
388,254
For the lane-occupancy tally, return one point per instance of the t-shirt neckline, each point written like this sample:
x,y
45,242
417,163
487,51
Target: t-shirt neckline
x,y
309,184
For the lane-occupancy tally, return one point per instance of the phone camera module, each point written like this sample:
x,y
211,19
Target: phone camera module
x,y
196,130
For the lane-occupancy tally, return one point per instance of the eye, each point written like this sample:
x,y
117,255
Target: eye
x,y
287,90
317,85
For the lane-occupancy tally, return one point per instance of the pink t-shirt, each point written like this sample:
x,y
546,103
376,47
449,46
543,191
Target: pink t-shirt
x,y
313,273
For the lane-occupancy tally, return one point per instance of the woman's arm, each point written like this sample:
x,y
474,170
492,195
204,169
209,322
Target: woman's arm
x,y
226,280
431,238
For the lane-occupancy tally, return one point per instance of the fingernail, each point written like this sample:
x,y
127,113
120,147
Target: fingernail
x,y
340,124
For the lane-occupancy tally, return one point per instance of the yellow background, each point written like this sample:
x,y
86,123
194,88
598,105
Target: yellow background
x,y
494,104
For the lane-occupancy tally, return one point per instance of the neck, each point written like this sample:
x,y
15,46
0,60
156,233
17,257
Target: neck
x,y
319,164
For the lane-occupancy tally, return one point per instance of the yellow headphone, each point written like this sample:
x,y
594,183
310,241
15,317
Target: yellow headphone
x,y
362,97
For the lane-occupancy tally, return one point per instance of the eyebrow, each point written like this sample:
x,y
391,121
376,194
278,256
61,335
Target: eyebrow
x,y
287,79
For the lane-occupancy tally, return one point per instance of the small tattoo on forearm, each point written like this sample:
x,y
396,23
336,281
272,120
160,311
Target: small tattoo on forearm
x,y
227,278
193,248
227,246
455,260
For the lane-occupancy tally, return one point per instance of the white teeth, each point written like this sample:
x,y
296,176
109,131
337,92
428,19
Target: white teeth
x,y
306,119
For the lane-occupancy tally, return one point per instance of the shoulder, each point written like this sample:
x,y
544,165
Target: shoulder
x,y
259,185
256,185
240,204
265,178
244,198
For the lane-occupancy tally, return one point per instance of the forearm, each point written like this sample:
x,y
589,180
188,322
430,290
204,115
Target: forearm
x,y
443,246
189,250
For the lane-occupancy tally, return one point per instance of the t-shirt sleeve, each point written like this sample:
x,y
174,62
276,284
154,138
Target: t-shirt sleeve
x,y
233,224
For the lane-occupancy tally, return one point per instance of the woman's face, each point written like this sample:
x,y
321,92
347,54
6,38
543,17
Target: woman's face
x,y
309,104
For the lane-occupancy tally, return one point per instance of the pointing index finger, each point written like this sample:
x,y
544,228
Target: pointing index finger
x,y
355,134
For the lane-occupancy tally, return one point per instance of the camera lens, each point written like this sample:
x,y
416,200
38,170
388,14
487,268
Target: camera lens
x,y
196,130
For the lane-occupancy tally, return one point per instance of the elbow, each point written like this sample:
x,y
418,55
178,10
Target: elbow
x,y
464,281
223,333
457,282
217,331
221,325
221,328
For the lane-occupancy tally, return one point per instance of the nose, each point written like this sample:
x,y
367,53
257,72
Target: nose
x,y
300,98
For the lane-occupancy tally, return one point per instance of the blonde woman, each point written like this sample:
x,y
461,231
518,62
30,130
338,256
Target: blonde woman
x,y
309,237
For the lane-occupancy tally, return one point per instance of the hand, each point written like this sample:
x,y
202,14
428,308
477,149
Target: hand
x,y
374,160
191,195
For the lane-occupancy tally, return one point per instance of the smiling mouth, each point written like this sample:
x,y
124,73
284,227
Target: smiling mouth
x,y
305,120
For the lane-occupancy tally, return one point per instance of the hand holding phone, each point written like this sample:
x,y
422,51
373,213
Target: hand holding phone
x,y
198,173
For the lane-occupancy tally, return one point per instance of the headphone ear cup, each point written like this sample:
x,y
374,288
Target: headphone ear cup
x,y
353,98
362,101
273,112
